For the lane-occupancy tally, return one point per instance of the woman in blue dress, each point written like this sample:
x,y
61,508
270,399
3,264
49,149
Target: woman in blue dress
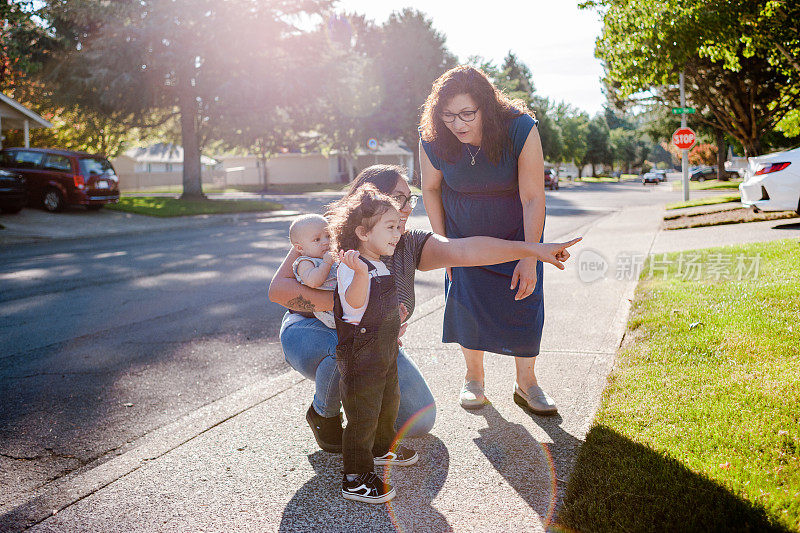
x,y
483,174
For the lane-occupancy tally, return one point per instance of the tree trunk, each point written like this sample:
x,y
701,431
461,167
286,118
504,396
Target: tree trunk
x,y
722,154
192,170
752,146
594,171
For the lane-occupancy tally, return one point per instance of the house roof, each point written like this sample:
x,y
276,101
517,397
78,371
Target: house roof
x,y
163,153
13,115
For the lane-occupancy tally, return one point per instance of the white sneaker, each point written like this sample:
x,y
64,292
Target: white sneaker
x,y
472,396
535,400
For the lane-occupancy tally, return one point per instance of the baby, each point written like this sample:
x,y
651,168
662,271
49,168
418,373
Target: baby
x,y
316,266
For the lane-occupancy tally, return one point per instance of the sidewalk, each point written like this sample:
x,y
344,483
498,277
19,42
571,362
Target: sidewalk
x,y
248,462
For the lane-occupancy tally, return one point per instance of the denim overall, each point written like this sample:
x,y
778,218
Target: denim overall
x,y
367,359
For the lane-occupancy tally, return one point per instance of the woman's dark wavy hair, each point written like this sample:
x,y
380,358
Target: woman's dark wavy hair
x,y
362,207
496,110
382,177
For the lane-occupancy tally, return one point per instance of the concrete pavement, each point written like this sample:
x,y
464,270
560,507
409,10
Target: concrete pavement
x,y
248,462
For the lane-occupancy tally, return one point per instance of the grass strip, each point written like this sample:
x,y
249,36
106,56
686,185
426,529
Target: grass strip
x,y
699,426
175,207
708,200
719,208
707,185
728,216
289,188
599,179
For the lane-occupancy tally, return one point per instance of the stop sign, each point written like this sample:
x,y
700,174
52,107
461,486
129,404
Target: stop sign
x,y
684,138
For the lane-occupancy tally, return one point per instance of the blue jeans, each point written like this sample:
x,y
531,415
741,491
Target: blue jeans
x,y
310,348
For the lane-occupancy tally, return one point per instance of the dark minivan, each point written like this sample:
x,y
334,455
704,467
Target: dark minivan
x,y
57,178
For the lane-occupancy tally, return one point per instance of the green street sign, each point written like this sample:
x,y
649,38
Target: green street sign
x,y
682,110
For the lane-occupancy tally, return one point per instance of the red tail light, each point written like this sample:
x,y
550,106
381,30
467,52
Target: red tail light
x,y
774,167
80,181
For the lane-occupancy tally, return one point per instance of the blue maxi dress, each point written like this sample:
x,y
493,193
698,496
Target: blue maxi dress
x,y
480,311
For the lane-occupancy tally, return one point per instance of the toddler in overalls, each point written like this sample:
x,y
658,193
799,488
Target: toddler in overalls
x,y
363,228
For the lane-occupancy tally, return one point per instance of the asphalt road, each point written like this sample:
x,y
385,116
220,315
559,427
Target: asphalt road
x,y
104,339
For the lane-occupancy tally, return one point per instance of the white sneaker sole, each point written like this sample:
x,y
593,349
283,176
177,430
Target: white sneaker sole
x,y
405,462
367,499
473,404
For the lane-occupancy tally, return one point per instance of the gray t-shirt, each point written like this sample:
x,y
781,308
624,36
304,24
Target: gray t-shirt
x,y
404,262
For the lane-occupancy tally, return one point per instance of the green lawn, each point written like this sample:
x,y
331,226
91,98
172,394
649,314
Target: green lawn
x,y
175,207
699,427
708,200
301,188
707,185
598,179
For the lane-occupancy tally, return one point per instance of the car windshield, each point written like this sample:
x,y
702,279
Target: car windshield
x,y
96,165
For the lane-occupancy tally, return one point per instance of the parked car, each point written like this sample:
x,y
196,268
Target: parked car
x,y
662,174
12,192
772,182
650,177
57,178
709,173
551,179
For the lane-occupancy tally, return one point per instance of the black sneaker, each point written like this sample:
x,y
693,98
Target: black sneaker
x,y
367,488
402,456
327,431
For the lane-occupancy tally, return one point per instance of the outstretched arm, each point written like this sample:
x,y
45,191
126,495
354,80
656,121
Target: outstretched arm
x,y
440,252
285,290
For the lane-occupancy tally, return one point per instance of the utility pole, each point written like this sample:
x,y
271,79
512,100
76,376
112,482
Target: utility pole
x,y
684,152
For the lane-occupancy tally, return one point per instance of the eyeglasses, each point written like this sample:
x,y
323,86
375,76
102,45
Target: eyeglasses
x,y
402,199
465,116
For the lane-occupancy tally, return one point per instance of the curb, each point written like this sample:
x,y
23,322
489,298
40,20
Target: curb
x,y
197,221
63,492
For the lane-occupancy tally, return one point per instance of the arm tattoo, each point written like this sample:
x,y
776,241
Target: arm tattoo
x,y
301,304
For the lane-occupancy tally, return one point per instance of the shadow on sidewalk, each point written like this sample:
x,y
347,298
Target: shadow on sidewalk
x,y
790,226
318,505
527,465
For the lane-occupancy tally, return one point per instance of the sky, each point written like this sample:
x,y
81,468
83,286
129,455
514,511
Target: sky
x,y
553,38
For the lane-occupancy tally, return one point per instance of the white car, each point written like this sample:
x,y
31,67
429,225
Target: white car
x,y
772,182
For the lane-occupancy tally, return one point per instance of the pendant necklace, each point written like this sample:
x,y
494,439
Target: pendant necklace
x,y
471,155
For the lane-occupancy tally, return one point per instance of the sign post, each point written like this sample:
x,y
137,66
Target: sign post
x,y
685,152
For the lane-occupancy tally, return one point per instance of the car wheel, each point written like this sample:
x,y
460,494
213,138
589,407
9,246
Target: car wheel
x,y
701,178
52,200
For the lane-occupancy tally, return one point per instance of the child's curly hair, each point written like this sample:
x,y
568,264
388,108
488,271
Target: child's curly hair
x,y
363,208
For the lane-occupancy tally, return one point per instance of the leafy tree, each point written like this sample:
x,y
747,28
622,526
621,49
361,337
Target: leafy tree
x,y
624,149
208,65
515,79
24,45
598,148
574,126
736,83
77,129
703,154
410,55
